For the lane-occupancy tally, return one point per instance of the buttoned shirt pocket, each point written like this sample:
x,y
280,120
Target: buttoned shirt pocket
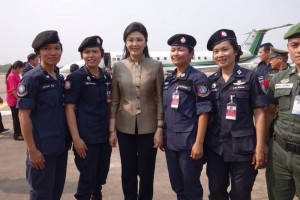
x,y
241,98
283,96
45,101
186,104
243,141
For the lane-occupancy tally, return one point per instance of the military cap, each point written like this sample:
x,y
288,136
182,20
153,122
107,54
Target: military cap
x,y
92,41
277,52
293,32
220,36
43,38
182,40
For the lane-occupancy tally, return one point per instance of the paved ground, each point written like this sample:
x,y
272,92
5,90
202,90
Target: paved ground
x,y
13,185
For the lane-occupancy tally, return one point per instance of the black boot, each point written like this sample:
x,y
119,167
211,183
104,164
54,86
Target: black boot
x,y
97,195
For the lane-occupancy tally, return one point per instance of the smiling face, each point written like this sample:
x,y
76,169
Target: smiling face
x,y
224,54
50,54
181,56
91,56
135,44
294,50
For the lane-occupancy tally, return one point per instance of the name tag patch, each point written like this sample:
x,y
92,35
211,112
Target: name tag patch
x,y
283,85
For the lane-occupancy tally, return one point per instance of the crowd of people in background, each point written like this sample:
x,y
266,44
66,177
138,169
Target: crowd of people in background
x,y
236,120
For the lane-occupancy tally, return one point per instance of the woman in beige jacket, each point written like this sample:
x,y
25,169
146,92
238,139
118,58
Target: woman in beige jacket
x,y
136,118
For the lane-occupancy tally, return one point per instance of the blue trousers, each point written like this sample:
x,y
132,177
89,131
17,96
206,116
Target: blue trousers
x,y
241,175
91,173
184,174
47,183
137,159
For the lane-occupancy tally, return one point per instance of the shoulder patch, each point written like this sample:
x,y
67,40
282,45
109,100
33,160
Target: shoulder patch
x,y
22,90
202,90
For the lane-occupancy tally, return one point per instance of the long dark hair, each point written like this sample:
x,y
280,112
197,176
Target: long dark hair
x,y
139,27
17,64
237,49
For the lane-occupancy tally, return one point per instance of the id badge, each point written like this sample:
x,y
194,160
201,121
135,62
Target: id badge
x,y
296,106
108,96
231,111
175,100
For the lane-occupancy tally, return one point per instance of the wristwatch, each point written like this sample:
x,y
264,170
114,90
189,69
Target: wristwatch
x,y
160,126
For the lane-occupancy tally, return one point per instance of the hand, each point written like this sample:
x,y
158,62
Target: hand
x,y
197,151
80,147
1,100
158,139
36,159
258,159
113,140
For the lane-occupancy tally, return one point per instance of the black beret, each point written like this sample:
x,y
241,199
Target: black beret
x,y
182,40
43,38
93,41
220,36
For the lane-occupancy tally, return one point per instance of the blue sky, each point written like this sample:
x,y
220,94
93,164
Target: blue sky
x,y
21,21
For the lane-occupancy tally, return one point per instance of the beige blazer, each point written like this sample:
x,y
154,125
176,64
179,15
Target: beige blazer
x,y
137,95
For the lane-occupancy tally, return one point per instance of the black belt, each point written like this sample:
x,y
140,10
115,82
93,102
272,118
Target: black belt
x,y
287,145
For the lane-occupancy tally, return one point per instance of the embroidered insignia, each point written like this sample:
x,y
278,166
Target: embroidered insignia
x,y
98,40
202,90
239,82
239,72
286,80
22,90
88,78
214,85
67,85
223,34
182,40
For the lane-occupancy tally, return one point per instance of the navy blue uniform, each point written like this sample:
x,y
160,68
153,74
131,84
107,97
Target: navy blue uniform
x,y
230,144
27,68
181,129
89,94
262,70
43,95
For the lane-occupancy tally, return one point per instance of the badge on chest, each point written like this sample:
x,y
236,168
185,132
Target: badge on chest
x,y
296,106
175,99
231,109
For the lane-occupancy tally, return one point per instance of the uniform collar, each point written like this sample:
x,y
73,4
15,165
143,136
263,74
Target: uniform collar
x,y
237,72
87,71
46,74
291,71
184,75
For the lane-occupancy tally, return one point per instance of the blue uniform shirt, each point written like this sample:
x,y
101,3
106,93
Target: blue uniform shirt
x,y
194,99
234,139
43,95
89,94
